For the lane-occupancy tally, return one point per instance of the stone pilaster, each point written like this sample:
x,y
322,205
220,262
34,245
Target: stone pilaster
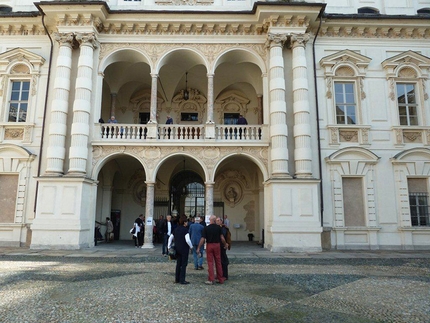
x,y
149,214
209,196
278,107
153,112
113,97
82,105
60,105
302,126
210,118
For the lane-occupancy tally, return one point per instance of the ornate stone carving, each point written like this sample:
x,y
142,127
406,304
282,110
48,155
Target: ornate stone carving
x,y
349,135
412,136
14,134
138,187
87,39
211,51
375,32
334,138
276,39
299,39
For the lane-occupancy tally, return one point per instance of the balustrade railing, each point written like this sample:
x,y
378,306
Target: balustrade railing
x,y
191,133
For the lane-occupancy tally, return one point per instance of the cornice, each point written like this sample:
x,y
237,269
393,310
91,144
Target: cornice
x,y
21,26
406,32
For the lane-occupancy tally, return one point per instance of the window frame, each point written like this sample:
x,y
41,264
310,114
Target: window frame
x,y
20,101
418,210
345,104
416,105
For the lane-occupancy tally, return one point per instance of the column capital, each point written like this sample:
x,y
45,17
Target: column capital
x,y
276,40
87,39
153,75
64,38
149,183
299,40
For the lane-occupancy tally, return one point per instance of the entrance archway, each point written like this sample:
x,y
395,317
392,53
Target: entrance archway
x,y
187,194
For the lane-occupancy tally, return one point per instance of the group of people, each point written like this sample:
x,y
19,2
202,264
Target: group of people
x,y
216,235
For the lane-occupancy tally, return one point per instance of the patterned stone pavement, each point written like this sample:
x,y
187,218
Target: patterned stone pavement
x,y
118,283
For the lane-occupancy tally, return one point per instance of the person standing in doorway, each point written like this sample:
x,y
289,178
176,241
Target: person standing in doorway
x,y
167,231
138,236
195,231
182,245
212,234
109,230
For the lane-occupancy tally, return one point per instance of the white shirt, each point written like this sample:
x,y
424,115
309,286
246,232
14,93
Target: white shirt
x,y
187,240
169,228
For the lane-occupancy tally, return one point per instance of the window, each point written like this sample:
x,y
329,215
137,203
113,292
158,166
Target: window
x,y
144,117
185,116
19,101
367,10
419,205
418,201
195,199
407,105
345,103
231,118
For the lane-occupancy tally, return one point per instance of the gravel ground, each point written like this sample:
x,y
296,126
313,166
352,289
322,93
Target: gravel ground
x,y
130,290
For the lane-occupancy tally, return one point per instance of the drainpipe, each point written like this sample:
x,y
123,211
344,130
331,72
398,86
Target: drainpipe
x,y
45,108
317,117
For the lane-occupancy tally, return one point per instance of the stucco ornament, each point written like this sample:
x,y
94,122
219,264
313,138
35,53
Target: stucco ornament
x,y
233,193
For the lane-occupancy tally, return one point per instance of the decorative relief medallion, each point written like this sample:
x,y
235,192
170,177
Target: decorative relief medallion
x,y
349,135
412,136
151,152
211,152
233,193
14,134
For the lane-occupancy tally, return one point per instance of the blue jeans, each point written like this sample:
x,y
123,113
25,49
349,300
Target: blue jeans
x,y
198,262
165,241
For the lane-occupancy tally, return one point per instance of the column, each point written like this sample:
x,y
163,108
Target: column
x,y
209,196
112,104
59,107
278,107
210,118
82,105
149,214
153,112
260,109
302,126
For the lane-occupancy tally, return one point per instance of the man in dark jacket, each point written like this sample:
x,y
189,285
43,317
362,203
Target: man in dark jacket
x,y
182,246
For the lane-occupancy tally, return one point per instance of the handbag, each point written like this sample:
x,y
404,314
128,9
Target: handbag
x,y
172,251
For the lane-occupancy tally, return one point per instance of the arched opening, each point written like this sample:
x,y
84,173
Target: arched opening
x,y
121,195
187,194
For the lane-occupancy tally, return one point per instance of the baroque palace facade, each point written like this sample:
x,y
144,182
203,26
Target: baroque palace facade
x,y
334,155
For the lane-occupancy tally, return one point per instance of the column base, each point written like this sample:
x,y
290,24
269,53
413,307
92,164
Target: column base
x,y
65,214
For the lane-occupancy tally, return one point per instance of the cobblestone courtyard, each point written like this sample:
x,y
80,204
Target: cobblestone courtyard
x,y
125,288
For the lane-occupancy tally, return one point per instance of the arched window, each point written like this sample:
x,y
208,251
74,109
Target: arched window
x,y
368,10
4,9
423,11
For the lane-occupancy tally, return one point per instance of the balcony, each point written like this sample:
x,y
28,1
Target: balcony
x,y
210,133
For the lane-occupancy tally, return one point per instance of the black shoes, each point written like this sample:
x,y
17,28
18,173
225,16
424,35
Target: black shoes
x,y
185,283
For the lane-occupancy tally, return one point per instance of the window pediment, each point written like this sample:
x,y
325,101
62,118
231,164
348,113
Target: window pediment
x,y
344,59
352,153
18,56
394,65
